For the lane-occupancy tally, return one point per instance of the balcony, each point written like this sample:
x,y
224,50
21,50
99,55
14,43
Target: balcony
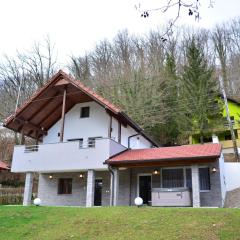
x,y
64,157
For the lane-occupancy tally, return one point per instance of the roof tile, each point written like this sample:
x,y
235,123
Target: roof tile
x,y
4,166
165,153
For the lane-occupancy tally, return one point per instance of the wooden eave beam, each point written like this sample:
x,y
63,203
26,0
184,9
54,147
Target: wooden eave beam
x,y
44,105
119,132
110,127
57,108
20,128
51,113
30,133
169,163
31,125
117,117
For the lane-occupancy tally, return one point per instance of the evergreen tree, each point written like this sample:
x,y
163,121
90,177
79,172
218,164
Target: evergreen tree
x,y
171,101
200,91
169,130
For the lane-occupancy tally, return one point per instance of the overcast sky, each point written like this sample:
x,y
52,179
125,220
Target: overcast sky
x,y
75,26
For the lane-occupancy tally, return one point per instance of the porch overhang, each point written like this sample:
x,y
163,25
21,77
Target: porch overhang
x,y
167,156
161,162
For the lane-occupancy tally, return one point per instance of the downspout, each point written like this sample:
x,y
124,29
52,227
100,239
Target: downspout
x,y
112,185
130,187
129,138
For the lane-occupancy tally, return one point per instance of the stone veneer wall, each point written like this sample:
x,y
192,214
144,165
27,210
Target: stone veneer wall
x,y
47,191
212,198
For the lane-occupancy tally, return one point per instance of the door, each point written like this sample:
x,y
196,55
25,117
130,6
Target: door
x,y
98,192
145,188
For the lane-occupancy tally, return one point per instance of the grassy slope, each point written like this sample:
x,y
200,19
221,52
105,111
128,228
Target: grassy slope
x,y
118,223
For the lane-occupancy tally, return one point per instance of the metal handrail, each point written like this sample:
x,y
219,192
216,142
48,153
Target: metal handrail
x,y
31,148
35,148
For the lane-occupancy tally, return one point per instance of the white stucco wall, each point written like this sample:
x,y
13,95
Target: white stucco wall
x,y
65,157
232,171
69,156
94,126
135,142
75,127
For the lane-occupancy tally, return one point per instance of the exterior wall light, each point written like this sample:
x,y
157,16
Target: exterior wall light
x,y
50,177
155,172
122,168
214,170
81,175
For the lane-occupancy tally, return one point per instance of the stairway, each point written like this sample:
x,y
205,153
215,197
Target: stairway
x,y
233,198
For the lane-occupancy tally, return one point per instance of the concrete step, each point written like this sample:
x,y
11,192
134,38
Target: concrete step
x,y
233,198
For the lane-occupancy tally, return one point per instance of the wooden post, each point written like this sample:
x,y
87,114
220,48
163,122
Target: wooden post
x,y
119,132
22,141
37,138
110,127
63,114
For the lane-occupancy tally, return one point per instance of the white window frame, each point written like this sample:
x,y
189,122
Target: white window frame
x,y
184,175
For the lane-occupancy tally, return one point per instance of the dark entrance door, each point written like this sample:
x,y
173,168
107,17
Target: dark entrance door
x,y
98,192
145,188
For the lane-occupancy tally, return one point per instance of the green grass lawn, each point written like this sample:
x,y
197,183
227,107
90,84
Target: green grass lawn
x,y
17,222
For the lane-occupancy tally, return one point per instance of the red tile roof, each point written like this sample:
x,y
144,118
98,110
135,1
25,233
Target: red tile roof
x,y
92,94
77,83
4,166
168,153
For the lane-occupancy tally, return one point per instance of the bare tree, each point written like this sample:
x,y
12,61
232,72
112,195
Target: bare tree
x,y
26,72
220,37
81,68
192,7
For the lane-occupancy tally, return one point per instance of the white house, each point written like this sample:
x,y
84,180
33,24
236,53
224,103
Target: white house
x,y
90,153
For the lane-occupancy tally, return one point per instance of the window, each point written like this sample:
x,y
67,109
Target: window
x,y
65,186
189,178
172,178
85,112
204,179
75,140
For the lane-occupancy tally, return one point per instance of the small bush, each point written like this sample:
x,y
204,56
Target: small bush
x,y
11,200
12,183
11,196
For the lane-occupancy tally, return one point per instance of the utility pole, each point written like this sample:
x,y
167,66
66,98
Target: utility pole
x,y
229,119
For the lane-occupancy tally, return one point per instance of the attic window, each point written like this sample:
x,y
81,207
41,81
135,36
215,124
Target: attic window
x,y
84,112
